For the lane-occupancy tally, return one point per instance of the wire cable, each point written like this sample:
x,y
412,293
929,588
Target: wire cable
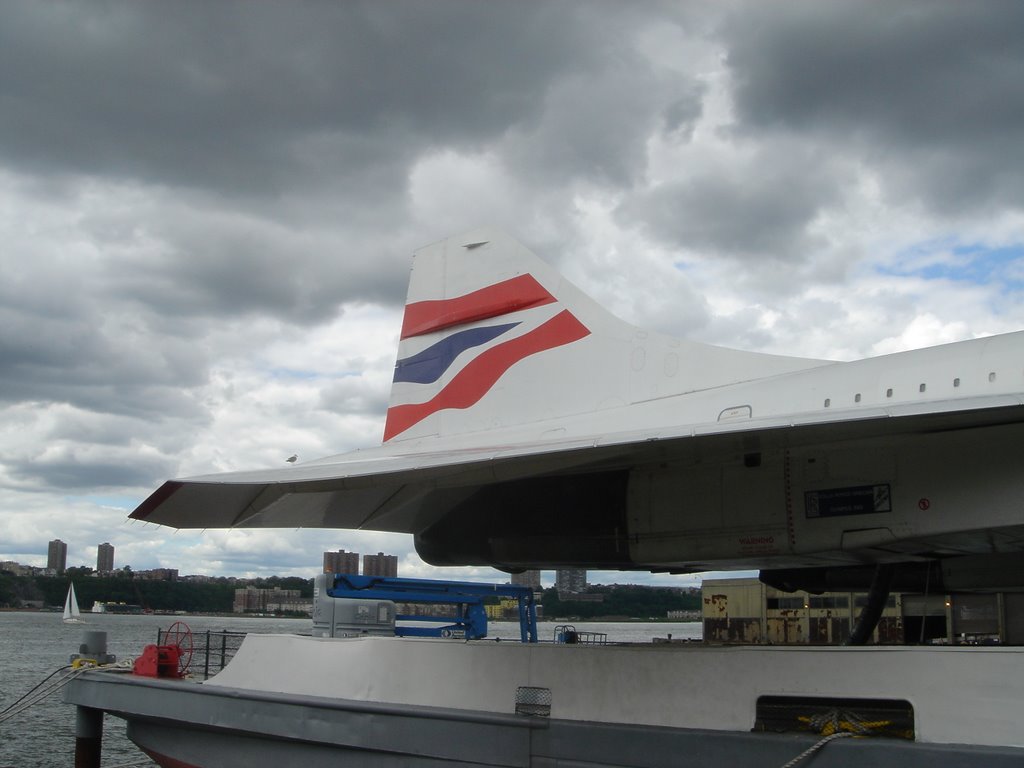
x,y
814,748
50,684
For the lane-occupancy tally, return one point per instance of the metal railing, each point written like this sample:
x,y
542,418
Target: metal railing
x,y
211,650
568,634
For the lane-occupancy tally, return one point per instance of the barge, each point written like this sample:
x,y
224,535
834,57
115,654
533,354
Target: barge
x,y
287,700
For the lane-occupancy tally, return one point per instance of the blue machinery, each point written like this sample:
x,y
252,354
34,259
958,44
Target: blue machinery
x,y
470,622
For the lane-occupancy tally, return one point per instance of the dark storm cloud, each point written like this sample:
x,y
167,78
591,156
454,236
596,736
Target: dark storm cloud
x,y
759,208
235,269
67,470
928,92
682,113
225,266
596,123
65,338
247,98
274,143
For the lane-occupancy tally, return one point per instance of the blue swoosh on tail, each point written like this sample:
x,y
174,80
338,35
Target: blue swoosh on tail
x,y
429,365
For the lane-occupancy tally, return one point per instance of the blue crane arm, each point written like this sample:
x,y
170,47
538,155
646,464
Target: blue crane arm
x,y
469,595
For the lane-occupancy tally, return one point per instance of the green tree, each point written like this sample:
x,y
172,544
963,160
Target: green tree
x,y
8,594
630,601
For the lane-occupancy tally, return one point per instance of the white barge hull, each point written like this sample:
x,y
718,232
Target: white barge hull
x,y
301,701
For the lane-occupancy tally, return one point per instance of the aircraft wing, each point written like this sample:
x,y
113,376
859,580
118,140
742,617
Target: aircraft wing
x,y
375,489
383,488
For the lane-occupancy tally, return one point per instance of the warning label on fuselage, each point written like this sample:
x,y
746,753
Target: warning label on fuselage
x,y
858,500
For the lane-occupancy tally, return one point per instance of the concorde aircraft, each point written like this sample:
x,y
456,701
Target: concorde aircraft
x,y
529,428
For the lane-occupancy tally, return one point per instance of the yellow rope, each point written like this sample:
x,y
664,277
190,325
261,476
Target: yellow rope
x,y
834,721
833,725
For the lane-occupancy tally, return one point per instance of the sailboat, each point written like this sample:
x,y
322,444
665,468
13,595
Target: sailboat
x,y
71,613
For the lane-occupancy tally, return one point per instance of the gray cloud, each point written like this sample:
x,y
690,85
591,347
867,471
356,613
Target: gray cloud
x,y
682,113
353,396
67,469
757,208
77,361
245,99
928,93
596,123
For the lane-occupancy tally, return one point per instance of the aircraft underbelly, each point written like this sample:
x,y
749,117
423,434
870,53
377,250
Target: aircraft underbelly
x,y
857,501
704,512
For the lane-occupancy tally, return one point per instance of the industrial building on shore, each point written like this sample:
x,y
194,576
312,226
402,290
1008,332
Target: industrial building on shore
x,y
750,612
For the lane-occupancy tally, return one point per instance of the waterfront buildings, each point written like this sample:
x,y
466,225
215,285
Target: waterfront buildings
x,y
571,581
747,611
341,562
530,579
275,600
158,574
348,562
380,565
105,558
57,556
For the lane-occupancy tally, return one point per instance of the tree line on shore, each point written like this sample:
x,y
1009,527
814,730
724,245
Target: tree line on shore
x,y
217,595
625,601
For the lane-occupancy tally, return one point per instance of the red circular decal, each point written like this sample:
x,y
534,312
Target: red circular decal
x,y
923,504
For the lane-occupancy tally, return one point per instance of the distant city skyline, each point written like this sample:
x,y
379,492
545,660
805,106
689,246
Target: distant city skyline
x,y
545,577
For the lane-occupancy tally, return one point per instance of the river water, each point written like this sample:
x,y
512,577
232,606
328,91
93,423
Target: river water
x,y
32,645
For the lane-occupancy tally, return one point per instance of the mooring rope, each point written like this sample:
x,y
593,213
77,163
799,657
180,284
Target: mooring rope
x,y
50,684
836,724
811,750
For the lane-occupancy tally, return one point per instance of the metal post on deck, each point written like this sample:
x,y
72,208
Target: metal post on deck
x,y
88,737
89,721
206,661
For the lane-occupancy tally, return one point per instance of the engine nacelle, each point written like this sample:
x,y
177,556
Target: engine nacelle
x,y
567,520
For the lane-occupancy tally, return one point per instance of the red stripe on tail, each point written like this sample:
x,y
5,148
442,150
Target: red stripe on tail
x,y
481,373
521,292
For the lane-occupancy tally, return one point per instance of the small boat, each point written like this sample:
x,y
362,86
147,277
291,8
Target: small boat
x,y
71,613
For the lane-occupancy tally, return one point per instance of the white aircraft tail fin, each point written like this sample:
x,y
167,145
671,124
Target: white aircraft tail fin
x,y
494,337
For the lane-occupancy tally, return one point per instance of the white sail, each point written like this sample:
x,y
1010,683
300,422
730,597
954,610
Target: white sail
x,y
71,612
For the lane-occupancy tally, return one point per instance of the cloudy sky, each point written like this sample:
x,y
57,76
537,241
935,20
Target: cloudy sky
x,y
207,212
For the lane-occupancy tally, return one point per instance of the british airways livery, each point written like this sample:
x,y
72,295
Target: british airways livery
x,y
529,428
537,323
